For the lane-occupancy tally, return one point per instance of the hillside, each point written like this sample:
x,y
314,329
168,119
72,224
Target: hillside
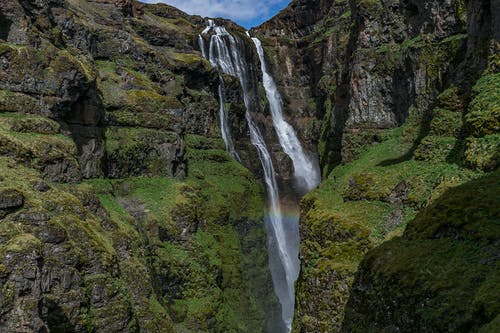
x,y
121,209
404,107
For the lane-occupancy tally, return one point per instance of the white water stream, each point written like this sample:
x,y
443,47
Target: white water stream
x,y
225,53
305,170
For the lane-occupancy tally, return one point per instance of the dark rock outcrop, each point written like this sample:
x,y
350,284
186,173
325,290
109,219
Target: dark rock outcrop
x,y
11,198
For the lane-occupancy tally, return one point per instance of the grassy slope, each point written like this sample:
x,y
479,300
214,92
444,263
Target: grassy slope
x,y
443,270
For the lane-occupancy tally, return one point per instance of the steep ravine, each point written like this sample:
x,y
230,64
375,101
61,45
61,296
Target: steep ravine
x,y
137,177
232,54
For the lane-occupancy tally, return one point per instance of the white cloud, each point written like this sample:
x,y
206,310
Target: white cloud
x,y
240,10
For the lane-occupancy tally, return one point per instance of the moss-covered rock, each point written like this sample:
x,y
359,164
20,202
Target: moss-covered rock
x,y
114,89
136,151
362,204
440,275
39,125
484,111
483,153
16,102
11,198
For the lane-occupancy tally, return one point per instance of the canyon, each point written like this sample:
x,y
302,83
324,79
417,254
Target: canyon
x,y
334,169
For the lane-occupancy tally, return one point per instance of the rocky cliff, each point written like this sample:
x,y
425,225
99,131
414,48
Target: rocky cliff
x,y
120,209
402,102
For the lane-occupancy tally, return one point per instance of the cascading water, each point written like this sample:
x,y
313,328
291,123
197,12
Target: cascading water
x,y
225,54
305,171
221,64
306,174
224,121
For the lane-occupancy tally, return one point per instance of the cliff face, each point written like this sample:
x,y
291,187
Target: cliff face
x,y
396,93
120,209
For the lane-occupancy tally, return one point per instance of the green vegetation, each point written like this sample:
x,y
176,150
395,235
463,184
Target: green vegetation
x,y
16,102
370,201
227,188
141,151
448,252
483,117
195,228
140,250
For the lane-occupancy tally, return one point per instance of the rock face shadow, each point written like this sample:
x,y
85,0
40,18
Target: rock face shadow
x,y
57,321
5,24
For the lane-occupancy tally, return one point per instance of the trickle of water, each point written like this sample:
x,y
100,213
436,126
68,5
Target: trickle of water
x,y
224,122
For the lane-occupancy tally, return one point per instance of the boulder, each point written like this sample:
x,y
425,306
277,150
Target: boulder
x,y
11,198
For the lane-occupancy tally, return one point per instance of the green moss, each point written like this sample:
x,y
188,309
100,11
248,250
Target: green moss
x,y
445,122
484,111
452,275
483,153
449,100
140,151
450,215
189,59
435,148
156,245
228,299
27,123
373,7
441,273
131,94
65,62
209,253
16,102
23,243
157,193
368,201
226,186
38,150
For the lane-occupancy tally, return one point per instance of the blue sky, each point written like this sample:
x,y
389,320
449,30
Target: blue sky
x,y
248,13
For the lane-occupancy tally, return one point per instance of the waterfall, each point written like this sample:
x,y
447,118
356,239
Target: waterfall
x,y
220,63
305,171
224,122
306,174
225,52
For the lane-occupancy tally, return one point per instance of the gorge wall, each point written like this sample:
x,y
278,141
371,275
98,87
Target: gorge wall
x,y
122,211
401,98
